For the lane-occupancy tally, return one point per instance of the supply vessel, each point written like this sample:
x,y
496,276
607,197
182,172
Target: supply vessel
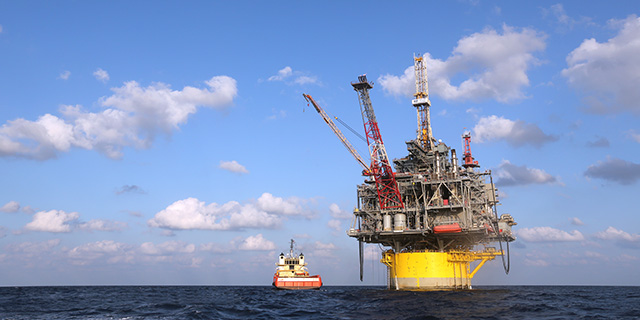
x,y
436,217
291,273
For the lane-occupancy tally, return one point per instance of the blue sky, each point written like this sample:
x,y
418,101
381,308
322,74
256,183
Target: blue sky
x,y
169,142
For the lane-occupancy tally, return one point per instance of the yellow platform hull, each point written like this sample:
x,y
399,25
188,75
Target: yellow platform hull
x,y
433,270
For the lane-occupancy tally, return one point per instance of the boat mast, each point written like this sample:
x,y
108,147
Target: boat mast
x,y
291,249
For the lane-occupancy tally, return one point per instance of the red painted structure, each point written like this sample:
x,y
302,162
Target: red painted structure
x,y
468,159
447,228
297,283
388,193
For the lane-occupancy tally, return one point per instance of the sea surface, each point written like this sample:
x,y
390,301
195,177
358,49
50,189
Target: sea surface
x,y
262,302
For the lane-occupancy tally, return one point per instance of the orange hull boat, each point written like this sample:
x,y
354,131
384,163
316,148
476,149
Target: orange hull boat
x,y
297,283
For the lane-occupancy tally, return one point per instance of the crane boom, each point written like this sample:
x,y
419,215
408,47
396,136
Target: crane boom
x,y
338,133
387,187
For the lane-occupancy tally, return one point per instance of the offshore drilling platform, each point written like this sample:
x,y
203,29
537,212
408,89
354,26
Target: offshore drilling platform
x,y
436,217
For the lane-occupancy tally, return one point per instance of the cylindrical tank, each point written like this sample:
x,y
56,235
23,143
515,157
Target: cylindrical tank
x,y
454,162
432,270
399,221
387,222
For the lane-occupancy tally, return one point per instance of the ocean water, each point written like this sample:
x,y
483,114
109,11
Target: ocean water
x,y
263,302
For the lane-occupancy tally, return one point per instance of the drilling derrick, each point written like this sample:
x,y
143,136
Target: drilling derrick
x,y
435,216
422,104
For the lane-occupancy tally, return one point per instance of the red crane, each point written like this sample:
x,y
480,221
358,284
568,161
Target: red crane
x,y
380,168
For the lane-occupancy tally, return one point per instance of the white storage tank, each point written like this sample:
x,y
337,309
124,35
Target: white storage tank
x,y
386,225
400,221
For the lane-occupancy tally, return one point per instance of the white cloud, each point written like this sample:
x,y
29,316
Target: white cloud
x,y
277,114
98,249
548,234
52,221
28,255
60,221
101,75
103,225
64,75
557,13
560,14
216,247
516,133
595,255
233,166
289,207
607,72
189,213
404,85
473,111
635,136
106,246
496,63
256,243
192,213
167,248
576,222
37,140
512,175
248,216
335,224
282,74
10,207
251,243
305,79
28,210
321,249
33,248
133,117
612,233
536,262
626,258
297,77
562,20
338,213
615,170
324,246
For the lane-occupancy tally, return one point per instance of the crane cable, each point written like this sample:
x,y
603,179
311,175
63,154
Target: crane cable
x,y
351,129
507,265
345,125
